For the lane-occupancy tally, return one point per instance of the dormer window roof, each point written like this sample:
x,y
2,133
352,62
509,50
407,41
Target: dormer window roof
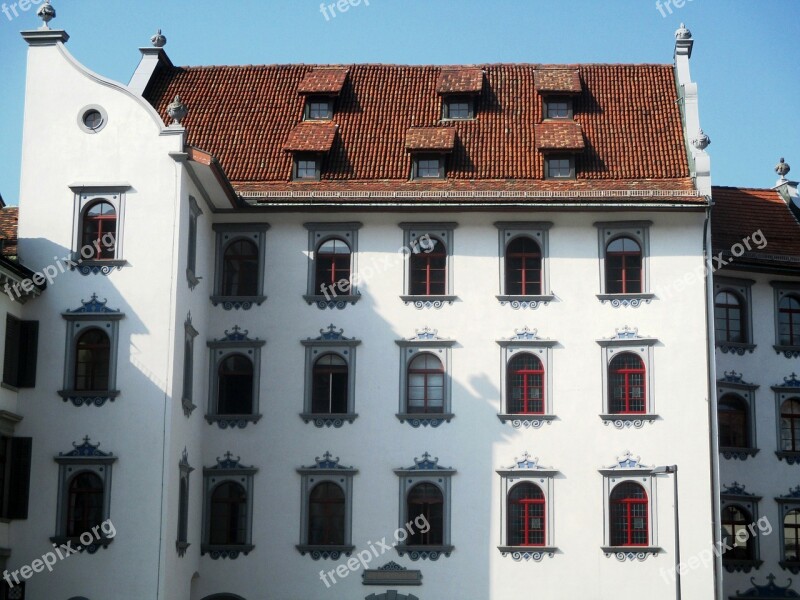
x,y
309,142
323,82
559,137
431,139
460,81
557,81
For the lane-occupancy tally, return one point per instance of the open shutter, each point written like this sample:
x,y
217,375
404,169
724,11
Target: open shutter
x,y
29,350
19,477
11,356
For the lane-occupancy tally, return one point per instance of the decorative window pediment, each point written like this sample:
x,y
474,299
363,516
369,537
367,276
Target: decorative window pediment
x,y
425,380
770,591
391,574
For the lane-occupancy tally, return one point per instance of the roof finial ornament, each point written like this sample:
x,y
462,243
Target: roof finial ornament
x,y
702,141
46,13
158,40
782,169
177,111
683,33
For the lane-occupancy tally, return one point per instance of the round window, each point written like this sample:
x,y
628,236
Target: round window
x,y
92,119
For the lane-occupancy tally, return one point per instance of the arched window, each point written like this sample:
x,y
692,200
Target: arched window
x,y
183,510
92,359
228,524
326,511
427,270
99,231
791,536
425,384
526,515
329,393
728,314
789,321
628,518
427,500
790,425
627,384
332,264
734,427
240,269
84,504
623,266
235,386
525,385
741,546
523,267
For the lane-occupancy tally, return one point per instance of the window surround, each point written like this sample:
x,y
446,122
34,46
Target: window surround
x,y
786,504
790,388
235,341
527,341
187,395
314,157
318,234
732,383
85,195
417,157
191,257
425,341
628,468
326,469
330,341
228,233
784,288
527,470
627,340
425,470
559,156
742,289
468,99
83,458
94,314
184,469
412,234
735,494
538,231
227,469
639,231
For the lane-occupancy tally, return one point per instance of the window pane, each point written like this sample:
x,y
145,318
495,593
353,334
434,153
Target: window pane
x,y
240,269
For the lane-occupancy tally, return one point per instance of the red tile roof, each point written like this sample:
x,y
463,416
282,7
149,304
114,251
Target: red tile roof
x,y
562,135
244,117
8,230
323,81
442,139
463,80
738,213
558,80
311,137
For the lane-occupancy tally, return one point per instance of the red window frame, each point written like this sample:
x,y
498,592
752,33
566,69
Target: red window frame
x,y
427,270
728,321
624,267
736,519
96,225
228,515
526,504
240,268
734,429
92,360
789,320
427,374
523,267
626,374
331,267
326,515
790,425
525,378
628,503
426,499
791,536
235,385
84,503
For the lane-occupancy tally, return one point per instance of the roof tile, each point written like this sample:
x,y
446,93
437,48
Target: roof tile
x,y
311,137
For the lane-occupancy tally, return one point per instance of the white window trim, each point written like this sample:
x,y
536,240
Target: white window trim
x,y
639,231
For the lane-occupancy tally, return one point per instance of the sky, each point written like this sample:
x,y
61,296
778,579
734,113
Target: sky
x,y
746,57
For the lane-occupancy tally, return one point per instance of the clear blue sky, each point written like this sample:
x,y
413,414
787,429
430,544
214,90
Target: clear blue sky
x,y
746,56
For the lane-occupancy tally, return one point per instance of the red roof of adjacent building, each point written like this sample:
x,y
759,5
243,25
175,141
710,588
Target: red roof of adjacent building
x,y
245,116
8,230
739,213
559,135
311,137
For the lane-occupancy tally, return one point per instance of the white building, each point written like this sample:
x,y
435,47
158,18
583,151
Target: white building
x,y
501,247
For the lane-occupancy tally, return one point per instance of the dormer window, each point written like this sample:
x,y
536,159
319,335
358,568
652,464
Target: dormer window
x,y
429,147
558,107
307,167
429,166
309,142
459,89
318,108
559,166
458,108
321,87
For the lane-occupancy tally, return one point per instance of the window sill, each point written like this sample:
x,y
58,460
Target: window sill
x,y
735,347
424,419
789,456
232,421
526,420
181,548
787,351
737,453
94,267
533,302
89,397
75,542
231,551
792,566
627,421
332,301
328,420
237,302
623,553
428,301
741,565
325,552
424,552
632,300
9,387
535,553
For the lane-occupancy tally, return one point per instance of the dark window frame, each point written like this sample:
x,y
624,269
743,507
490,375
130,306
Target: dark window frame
x,y
418,158
570,158
549,100
447,109
308,109
306,157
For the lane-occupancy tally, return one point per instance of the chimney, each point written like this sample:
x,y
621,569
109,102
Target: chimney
x,y
153,57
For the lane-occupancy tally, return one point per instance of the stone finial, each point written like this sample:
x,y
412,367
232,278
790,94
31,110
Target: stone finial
x,y
683,33
177,111
702,141
782,169
158,40
46,13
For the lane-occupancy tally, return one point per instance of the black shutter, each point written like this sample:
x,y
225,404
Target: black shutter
x,y
29,350
19,478
11,356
